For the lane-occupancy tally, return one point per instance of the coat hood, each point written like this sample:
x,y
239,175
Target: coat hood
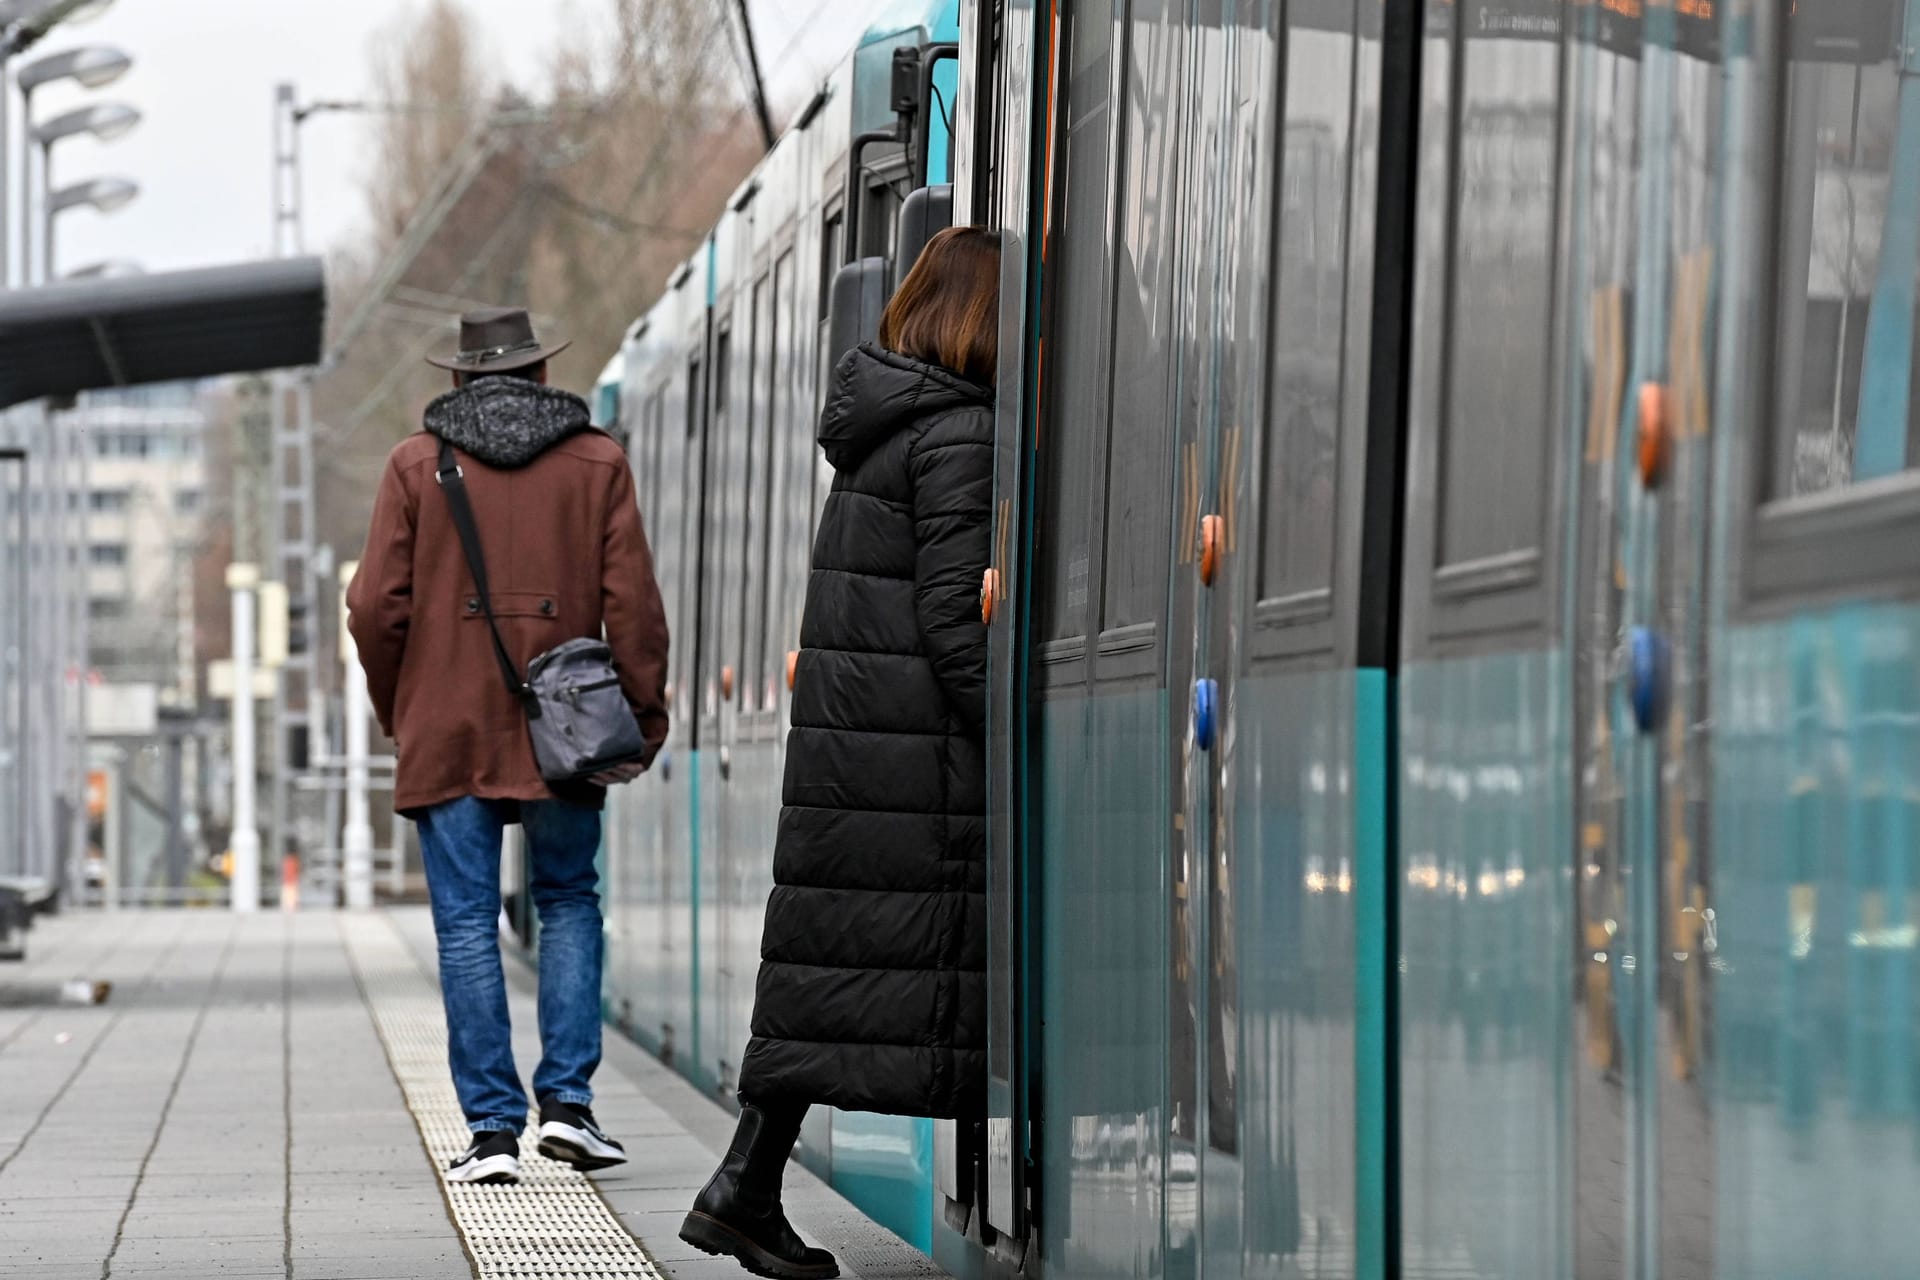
x,y
507,422
875,393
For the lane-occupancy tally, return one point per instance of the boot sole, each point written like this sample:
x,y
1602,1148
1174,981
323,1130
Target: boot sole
x,y
710,1235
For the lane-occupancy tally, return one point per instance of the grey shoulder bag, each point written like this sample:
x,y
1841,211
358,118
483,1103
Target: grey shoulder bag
x,y
577,716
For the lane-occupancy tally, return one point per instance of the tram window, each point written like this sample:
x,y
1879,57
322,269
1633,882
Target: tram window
x,y
656,459
1137,546
1846,401
759,447
831,234
1078,338
1300,462
686,543
722,370
781,499
725,526
1493,460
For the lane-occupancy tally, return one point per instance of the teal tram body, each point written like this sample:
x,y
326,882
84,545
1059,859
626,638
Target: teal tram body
x,y
1454,629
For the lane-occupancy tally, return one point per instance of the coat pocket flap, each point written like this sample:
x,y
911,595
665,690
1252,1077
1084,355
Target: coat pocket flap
x,y
513,604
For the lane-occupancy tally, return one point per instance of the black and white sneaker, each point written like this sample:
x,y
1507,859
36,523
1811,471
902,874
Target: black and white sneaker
x,y
493,1158
569,1135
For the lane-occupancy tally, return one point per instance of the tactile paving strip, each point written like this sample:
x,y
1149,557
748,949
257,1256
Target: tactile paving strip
x,y
553,1224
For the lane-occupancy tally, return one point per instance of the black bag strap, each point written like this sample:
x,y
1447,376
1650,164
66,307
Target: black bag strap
x,y
453,483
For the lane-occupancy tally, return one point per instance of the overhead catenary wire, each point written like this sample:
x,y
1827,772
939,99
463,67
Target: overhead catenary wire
x,y
754,81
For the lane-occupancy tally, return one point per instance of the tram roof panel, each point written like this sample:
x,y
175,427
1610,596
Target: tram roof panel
x,y
86,335
939,19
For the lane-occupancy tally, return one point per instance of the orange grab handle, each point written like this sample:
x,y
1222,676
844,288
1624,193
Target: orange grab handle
x,y
726,682
1211,530
989,596
1656,434
793,667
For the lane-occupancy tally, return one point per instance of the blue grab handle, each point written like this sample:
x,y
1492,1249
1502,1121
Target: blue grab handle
x,y
1650,662
1206,699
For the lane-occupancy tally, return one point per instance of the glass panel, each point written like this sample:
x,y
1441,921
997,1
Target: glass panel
x,y
1309,318
793,550
1077,337
830,251
1849,201
726,542
1487,1154
686,656
757,438
1493,454
1137,547
771,448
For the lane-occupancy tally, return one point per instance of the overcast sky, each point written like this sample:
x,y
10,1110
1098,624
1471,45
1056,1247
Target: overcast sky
x,y
205,72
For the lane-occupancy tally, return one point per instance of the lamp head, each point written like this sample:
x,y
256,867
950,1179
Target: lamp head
x,y
94,66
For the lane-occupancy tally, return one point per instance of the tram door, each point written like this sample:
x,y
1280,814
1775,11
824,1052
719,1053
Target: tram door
x,y
1185,742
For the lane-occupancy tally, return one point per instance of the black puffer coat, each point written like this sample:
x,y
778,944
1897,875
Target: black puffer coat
x,y
872,992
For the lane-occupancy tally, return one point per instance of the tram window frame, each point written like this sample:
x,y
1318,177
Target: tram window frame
x,y
776,489
765,502
652,446
1308,620
649,443
1129,650
1098,652
833,230
719,625
686,656
753,568
1504,599
1849,542
722,366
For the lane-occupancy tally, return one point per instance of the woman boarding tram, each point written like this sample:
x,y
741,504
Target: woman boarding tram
x,y
872,991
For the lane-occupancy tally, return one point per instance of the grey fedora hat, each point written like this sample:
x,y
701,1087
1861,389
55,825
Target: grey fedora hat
x,y
497,340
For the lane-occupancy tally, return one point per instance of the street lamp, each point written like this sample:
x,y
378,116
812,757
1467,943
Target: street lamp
x,y
91,66
103,194
107,121
23,24
95,66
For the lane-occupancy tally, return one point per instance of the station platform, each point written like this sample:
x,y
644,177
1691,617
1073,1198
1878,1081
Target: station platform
x,y
268,1096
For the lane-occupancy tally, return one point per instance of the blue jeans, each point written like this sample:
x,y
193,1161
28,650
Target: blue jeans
x,y
460,844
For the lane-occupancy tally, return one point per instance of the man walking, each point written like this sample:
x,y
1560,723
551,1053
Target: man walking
x,y
565,558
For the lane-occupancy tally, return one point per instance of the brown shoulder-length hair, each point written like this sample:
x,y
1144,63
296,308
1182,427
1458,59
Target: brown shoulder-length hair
x,y
947,311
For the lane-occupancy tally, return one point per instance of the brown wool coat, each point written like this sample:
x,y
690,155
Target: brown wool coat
x,y
566,556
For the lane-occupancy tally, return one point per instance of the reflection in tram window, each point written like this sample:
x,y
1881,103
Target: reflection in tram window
x,y
1075,367
1493,469
1846,407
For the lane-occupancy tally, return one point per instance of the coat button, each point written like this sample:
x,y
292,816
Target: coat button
x,y
473,604
546,608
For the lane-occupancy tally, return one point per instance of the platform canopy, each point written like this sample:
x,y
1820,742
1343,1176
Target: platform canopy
x,y
84,335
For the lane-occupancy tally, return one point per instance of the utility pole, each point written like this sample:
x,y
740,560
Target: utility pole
x,y
244,881
299,703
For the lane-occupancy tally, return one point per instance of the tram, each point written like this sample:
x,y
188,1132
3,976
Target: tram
x,y
1453,695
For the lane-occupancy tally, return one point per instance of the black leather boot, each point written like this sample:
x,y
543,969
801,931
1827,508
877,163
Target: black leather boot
x,y
738,1214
